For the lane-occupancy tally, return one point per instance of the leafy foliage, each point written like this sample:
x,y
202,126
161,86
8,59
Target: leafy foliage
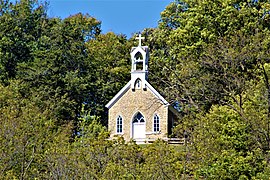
x,y
208,58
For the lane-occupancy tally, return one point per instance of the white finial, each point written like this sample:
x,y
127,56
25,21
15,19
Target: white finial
x,y
140,39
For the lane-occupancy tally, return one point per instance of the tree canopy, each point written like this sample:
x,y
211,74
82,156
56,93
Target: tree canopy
x,y
210,59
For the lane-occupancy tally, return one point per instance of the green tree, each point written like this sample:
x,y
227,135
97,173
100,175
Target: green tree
x,y
187,32
225,147
162,162
22,24
126,161
24,133
59,67
110,63
84,157
212,54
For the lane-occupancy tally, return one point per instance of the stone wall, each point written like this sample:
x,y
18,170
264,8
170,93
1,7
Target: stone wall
x,y
143,101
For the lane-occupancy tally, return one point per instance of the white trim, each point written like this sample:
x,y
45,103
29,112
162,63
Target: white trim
x,y
131,124
140,50
150,133
134,51
153,127
156,93
118,95
126,88
138,83
122,125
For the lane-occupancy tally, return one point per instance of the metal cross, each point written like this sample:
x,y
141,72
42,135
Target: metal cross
x,y
140,39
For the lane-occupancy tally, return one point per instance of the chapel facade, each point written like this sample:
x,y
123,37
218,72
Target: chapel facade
x,y
138,111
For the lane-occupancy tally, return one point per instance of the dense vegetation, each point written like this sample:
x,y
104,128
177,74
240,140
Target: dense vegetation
x,y
210,59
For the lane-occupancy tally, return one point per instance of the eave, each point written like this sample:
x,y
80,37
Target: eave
x,y
127,87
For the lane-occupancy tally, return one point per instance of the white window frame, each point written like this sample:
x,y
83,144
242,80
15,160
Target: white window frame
x,y
138,83
156,129
119,124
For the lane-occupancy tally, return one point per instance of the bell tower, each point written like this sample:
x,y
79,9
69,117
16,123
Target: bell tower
x,y
139,65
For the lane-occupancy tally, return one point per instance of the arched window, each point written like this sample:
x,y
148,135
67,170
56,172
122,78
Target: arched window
x,y
156,123
138,118
138,84
138,56
119,125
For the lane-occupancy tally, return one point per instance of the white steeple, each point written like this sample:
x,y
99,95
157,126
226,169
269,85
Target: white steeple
x,y
139,64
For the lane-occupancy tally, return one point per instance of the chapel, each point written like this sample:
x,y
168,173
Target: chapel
x,y
138,111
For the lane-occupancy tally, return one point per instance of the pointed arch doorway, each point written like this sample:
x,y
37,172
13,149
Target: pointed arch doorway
x,y
138,126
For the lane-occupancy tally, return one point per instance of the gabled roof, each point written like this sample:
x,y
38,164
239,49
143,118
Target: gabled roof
x,y
136,49
127,87
142,49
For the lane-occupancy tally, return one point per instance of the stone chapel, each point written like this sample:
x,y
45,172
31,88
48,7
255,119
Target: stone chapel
x,y
138,111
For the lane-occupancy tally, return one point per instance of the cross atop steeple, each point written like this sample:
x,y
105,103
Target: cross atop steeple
x,y
140,38
139,64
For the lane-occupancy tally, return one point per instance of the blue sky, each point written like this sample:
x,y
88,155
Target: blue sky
x,y
120,16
